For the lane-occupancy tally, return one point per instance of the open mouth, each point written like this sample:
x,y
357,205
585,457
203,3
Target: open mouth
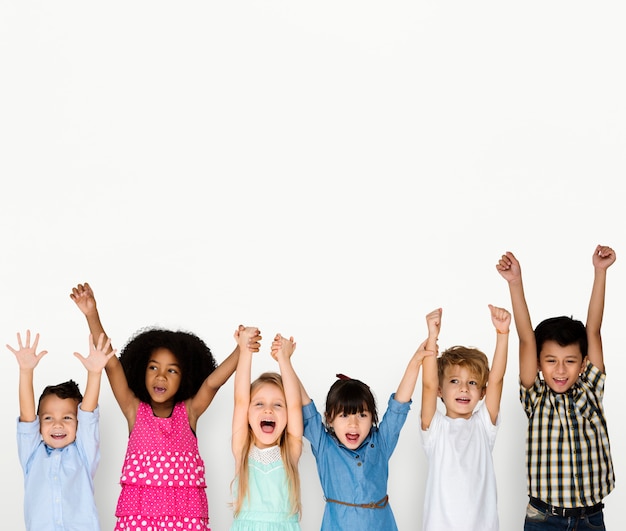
x,y
463,400
159,390
57,436
267,426
352,437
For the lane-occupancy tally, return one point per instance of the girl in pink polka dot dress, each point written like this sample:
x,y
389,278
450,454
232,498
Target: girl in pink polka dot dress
x,y
163,381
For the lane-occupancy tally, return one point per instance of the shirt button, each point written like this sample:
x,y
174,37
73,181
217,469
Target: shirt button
x,y
372,445
359,463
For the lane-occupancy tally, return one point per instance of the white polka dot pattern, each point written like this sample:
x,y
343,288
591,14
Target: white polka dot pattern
x,y
163,483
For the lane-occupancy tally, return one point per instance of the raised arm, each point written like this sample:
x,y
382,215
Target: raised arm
x,y
209,388
94,363
430,375
509,268
282,349
243,377
501,320
27,359
603,258
84,298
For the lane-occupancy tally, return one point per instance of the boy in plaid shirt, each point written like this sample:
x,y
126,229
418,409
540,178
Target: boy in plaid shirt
x,y
568,457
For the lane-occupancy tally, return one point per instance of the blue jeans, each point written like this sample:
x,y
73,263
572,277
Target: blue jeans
x,y
537,520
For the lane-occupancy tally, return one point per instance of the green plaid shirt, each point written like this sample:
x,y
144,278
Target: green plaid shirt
x,y
568,456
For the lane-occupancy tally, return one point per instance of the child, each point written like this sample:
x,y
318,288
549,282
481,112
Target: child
x,y
461,484
163,381
59,444
352,450
568,457
267,441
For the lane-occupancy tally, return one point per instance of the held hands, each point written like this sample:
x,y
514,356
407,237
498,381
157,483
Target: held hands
x,y
26,355
509,267
282,347
248,338
603,257
423,351
83,296
500,318
98,357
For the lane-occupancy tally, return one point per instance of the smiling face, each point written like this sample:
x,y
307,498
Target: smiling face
x,y
163,377
460,390
58,420
560,366
352,429
267,415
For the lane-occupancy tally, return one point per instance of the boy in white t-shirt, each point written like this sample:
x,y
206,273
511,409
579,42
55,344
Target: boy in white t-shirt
x,y
461,485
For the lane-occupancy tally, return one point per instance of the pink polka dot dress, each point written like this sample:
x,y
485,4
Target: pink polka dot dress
x,y
163,485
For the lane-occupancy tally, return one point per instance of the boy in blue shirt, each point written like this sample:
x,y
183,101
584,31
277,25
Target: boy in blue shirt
x,y
58,445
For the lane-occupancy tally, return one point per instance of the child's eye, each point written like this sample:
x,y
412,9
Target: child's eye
x,y
173,371
473,383
364,414
454,381
68,418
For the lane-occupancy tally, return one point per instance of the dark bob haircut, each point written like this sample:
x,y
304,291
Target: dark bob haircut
x,y
194,358
63,390
564,331
350,396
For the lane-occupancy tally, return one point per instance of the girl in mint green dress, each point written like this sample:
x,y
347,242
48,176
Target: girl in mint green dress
x,y
266,441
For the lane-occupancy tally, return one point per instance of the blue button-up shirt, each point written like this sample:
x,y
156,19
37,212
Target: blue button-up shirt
x,y
355,476
58,483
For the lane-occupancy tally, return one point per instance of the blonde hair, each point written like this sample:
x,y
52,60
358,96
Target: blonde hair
x,y
471,358
291,466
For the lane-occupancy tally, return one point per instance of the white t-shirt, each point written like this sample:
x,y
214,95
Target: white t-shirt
x,y
461,490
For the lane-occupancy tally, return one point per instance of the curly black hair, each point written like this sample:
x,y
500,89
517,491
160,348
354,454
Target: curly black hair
x,y
194,358
63,390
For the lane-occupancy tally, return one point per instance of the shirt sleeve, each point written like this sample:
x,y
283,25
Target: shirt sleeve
x,y
28,440
392,423
314,429
528,397
593,378
88,438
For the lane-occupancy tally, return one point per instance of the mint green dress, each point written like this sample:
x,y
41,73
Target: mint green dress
x,y
267,506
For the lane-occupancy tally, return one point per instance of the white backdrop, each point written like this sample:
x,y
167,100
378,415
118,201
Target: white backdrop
x,y
327,170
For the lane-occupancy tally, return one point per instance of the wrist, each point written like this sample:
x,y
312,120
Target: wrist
x,y
502,332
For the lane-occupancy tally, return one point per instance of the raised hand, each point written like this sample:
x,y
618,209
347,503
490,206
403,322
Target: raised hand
x,y
83,296
509,267
26,355
98,357
281,346
433,322
603,257
248,338
500,318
